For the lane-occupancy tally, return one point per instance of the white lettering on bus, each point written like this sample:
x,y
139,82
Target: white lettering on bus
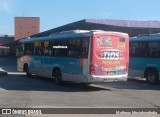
x,y
60,46
111,55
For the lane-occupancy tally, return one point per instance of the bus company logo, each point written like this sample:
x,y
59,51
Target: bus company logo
x,y
6,111
110,55
104,41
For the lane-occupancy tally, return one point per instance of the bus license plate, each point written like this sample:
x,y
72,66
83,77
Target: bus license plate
x,y
110,73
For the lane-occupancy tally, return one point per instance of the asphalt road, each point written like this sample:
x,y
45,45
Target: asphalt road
x,y
18,91
37,92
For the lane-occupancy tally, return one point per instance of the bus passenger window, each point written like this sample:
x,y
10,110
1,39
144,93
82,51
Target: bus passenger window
x,y
145,49
74,47
50,49
29,48
37,48
46,48
132,49
59,48
84,48
138,51
154,49
71,53
20,50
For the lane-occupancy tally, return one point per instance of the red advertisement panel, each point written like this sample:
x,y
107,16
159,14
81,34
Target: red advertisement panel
x,y
109,54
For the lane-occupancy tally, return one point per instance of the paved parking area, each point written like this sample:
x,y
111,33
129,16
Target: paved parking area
x,y
43,92
18,91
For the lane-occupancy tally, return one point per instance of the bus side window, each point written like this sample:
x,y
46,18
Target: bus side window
x,y
46,48
74,47
84,48
158,53
154,49
71,48
38,48
71,53
138,51
29,48
50,50
145,49
132,49
20,50
77,48
58,49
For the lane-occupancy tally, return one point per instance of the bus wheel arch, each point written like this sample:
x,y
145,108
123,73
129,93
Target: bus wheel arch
x,y
151,75
57,76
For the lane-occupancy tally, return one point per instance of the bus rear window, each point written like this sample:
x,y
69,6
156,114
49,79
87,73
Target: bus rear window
x,y
122,40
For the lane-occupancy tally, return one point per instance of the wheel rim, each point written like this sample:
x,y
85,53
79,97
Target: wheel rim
x,y
151,77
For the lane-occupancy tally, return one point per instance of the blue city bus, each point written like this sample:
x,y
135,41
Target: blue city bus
x,y
145,57
79,55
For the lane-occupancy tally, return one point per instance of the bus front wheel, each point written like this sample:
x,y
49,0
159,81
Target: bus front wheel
x,y
57,76
151,76
28,74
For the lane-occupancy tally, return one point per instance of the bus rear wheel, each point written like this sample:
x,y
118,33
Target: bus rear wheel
x,y
57,76
151,76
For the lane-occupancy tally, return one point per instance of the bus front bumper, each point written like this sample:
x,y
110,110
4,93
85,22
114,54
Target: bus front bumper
x,y
94,78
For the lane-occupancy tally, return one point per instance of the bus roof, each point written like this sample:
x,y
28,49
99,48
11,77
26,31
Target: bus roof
x,y
145,38
68,34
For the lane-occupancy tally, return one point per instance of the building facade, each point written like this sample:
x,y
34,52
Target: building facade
x,y
5,39
26,26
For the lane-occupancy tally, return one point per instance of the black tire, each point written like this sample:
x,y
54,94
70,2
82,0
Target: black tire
x,y
28,74
57,76
152,76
